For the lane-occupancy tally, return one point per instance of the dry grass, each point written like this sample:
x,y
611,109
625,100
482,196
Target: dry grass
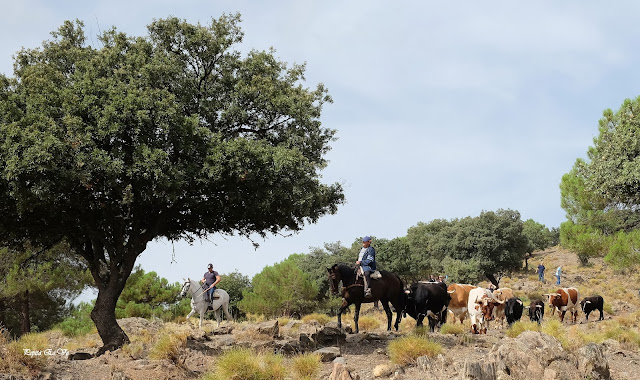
x,y
370,322
256,318
245,364
407,349
318,318
452,329
306,366
521,326
169,344
15,354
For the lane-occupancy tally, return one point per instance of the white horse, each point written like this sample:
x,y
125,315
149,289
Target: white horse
x,y
199,303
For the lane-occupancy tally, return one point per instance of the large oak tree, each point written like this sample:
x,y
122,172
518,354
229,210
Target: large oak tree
x,y
171,135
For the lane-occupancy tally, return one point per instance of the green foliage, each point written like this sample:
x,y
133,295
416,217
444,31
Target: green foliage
x,y
234,283
537,234
585,241
172,135
147,295
281,289
395,256
624,252
79,323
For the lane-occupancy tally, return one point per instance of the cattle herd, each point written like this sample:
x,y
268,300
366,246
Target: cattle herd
x,y
433,300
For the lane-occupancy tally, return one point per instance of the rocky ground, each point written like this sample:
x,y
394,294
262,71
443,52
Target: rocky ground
x,y
530,355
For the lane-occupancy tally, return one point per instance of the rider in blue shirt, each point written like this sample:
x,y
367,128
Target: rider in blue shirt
x,y
367,261
211,279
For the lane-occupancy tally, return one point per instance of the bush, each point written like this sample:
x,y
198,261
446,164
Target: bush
x,y
368,323
406,350
624,252
243,363
169,345
79,323
14,358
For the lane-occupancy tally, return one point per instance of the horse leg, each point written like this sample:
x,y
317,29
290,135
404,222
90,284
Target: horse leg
x,y
356,316
387,310
218,315
193,311
343,307
201,317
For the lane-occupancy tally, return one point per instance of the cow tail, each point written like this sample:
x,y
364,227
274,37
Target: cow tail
x,y
404,295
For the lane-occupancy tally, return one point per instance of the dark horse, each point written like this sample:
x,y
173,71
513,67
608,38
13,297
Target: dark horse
x,y
389,288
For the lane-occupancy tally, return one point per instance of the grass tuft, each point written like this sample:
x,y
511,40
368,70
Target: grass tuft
x,y
521,326
368,323
406,350
449,328
317,317
306,366
243,363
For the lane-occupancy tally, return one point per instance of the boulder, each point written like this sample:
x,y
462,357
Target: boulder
x,y
287,347
592,363
271,328
533,355
382,370
479,370
340,372
327,354
329,336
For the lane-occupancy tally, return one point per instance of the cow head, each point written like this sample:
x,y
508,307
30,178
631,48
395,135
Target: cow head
x,y
554,298
486,305
583,305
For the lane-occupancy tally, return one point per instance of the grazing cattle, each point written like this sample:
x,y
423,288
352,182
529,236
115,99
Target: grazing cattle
x,y
564,299
589,304
480,307
428,299
513,310
501,294
536,311
459,300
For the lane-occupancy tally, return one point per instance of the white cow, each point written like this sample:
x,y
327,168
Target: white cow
x,y
480,308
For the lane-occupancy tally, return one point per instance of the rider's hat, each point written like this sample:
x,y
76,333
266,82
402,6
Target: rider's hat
x,y
366,238
210,266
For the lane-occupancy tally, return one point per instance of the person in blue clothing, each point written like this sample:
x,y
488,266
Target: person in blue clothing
x,y
558,274
541,269
210,279
367,261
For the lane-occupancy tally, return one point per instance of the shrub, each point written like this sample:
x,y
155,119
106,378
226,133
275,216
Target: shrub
x,y
407,349
319,318
243,363
624,250
14,358
306,366
169,345
79,323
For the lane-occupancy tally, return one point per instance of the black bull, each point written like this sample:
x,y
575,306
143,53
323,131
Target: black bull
x,y
428,299
589,304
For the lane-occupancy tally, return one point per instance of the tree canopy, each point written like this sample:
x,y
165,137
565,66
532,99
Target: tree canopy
x,y
174,134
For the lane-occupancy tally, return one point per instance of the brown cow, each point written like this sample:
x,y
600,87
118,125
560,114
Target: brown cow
x,y
501,294
565,299
459,300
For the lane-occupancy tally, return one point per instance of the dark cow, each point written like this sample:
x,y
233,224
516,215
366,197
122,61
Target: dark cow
x,y
589,304
536,311
513,310
428,299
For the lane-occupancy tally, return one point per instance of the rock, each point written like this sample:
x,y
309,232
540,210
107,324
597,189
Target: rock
x,y
533,355
424,363
327,354
382,370
287,347
222,330
592,363
355,338
340,372
479,370
329,336
119,375
271,328
80,356
306,343
340,360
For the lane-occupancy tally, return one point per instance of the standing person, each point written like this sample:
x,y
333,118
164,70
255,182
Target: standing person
x,y
541,269
558,274
211,278
367,261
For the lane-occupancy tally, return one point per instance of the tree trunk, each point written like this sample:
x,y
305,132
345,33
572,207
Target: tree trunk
x,y
25,323
104,317
2,313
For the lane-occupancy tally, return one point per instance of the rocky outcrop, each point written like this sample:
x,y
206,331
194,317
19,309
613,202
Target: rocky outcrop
x,y
592,363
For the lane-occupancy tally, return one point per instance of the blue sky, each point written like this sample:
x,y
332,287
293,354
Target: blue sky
x,y
443,109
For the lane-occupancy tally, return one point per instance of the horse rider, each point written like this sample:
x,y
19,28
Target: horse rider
x,y
367,262
211,279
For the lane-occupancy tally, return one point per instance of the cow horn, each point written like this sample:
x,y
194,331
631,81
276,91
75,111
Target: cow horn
x,y
587,302
518,301
407,291
451,292
539,306
498,301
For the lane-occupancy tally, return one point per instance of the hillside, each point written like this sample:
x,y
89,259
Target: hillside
x,y
175,351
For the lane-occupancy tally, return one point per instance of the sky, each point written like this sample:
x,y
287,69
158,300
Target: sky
x,y
442,109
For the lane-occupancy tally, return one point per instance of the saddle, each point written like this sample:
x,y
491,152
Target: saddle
x,y
374,275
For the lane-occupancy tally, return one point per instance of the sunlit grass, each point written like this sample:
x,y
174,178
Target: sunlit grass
x,y
452,329
407,350
15,353
321,319
306,366
521,326
243,364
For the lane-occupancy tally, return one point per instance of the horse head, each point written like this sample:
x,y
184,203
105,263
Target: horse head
x,y
334,278
185,288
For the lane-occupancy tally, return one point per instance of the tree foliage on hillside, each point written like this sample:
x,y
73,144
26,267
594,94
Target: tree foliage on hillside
x,y
235,284
601,194
281,289
173,135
